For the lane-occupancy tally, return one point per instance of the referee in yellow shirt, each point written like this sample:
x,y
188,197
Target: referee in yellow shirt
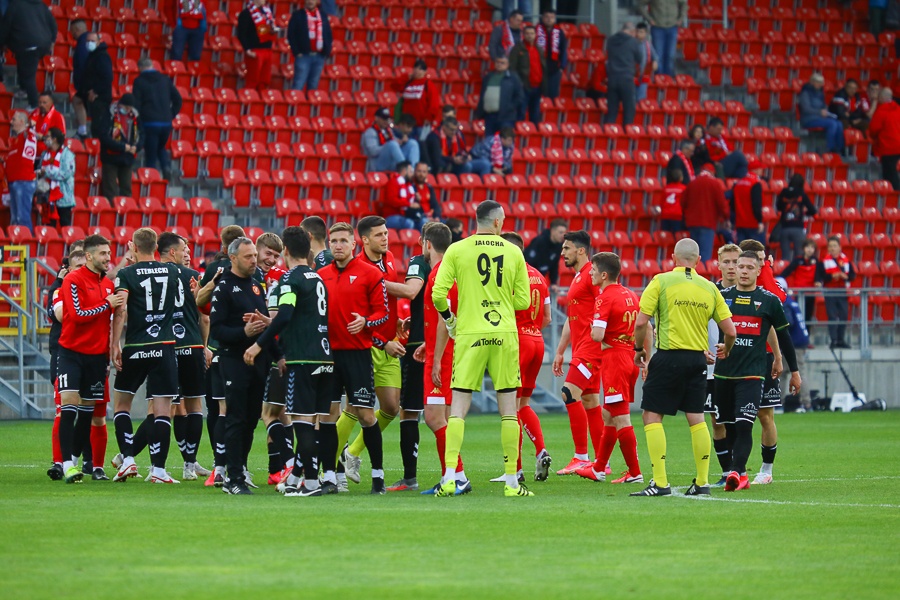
x,y
682,303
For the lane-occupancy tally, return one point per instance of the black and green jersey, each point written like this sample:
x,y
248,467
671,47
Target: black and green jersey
x,y
211,270
753,313
323,259
187,318
305,339
418,269
154,290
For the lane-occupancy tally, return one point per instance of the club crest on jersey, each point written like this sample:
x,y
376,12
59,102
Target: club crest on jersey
x,y
256,290
493,317
352,278
757,305
154,330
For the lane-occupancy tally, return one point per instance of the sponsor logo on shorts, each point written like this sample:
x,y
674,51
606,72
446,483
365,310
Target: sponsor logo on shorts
x,y
487,342
97,387
179,330
142,354
492,317
748,409
322,369
363,394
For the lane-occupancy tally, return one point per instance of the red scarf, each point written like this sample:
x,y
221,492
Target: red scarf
x,y
687,163
496,152
451,148
424,197
555,40
508,40
264,20
52,160
191,13
314,21
717,146
839,265
384,135
123,128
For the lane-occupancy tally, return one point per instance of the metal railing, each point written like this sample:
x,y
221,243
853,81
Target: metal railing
x,y
18,348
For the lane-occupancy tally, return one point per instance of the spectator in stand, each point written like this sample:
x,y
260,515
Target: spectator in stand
x,y
20,170
157,100
835,272
877,9
190,29
526,61
502,100
79,32
446,149
309,35
506,35
671,213
121,138
802,271
380,146
544,251
872,91
682,161
554,45
456,229
494,154
58,173
705,207
851,106
44,118
747,202
256,32
649,61
97,82
431,205
885,133
510,5
623,64
665,17
421,99
701,154
400,202
403,132
793,206
28,30
814,113
730,163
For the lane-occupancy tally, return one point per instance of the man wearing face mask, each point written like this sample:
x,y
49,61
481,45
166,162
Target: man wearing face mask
x,y
121,138
96,82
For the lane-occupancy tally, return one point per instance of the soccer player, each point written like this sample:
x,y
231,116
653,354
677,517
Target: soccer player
x,y
385,360
354,326
682,302
615,313
301,322
319,251
740,375
531,355
152,290
437,355
581,391
83,356
492,280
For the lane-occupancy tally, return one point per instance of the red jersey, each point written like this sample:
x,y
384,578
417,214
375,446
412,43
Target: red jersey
x,y
432,317
360,289
86,312
767,281
44,123
717,146
670,209
21,156
387,266
530,320
273,276
397,195
580,310
616,310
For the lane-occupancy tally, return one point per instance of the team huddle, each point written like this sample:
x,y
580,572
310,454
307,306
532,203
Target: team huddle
x,y
312,349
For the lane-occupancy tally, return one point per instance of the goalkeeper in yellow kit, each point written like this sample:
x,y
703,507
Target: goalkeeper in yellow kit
x,y
492,281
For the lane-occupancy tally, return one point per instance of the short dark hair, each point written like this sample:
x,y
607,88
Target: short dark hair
x,y
420,64
450,121
296,242
483,210
230,233
527,27
873,82
78,23
549,11
715,121
514,238
507,132
447,108
750,254
559,222
609,263
145,241
752,246
367,224
851,80
515,13
315,227
453,223
58,136
406,119
167,240
403,165
834,238
674,175
46,93
641,25
810,242
687,142
94,241
440,237
580,238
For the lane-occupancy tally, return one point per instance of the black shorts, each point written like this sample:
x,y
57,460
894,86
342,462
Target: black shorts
x,y
771,387
191,372
412,394
155,364
738,399
274,387
216,384
309,389
676,380
82,373
54,362
710,406
354,374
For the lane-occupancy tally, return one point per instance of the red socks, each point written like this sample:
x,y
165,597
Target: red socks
x,y
578,421
531,425
607,443
628,446
99,437
57,453
595,424
440,438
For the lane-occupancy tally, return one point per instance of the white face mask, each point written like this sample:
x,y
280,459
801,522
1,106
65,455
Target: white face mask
x,y
91,46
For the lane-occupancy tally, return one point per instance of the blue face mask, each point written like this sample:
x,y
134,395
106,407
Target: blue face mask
x,y
91,46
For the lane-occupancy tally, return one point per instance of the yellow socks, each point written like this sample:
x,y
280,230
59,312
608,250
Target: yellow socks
x,y
359,444
345,424
700,444
456,429
509,439
656,446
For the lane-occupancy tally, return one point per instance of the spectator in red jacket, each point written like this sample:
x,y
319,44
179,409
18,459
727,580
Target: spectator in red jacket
x,y
885,132
20,170
704,207
44,118
835,272
671,213
730,163
802,271
400,200
747,197
420,98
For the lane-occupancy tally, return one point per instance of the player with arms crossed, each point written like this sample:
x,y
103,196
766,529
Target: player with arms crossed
x,y
486,334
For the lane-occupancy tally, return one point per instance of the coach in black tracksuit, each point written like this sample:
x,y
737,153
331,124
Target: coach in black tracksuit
x,y
237,317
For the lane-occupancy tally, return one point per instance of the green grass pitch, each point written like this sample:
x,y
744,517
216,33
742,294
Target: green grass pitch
x,y
828,527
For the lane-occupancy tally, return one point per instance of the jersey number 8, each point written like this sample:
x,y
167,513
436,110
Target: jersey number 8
x,y
322,303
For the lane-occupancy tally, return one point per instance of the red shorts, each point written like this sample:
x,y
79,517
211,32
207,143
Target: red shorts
x,y
531,356
585,376
619,378
434,395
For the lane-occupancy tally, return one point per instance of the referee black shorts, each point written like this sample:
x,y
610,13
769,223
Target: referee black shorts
x,y
738,399
676,381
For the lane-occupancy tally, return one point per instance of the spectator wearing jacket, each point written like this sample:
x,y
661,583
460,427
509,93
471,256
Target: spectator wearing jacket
x,y
20,170
28,30
420,98
885,133
431,205
157,101
730,163
97,82
649,60
543,252
256,31
793,206
44,118
814,113
747,202
380,145
683,160
704,206
506,35
553,43
400,200
623,62
404,133
851,106
527,61
121,138
665,17
836,272
502,100
80,54
802,273
671,213
190,29
494,154
309,35
58,172
446,150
